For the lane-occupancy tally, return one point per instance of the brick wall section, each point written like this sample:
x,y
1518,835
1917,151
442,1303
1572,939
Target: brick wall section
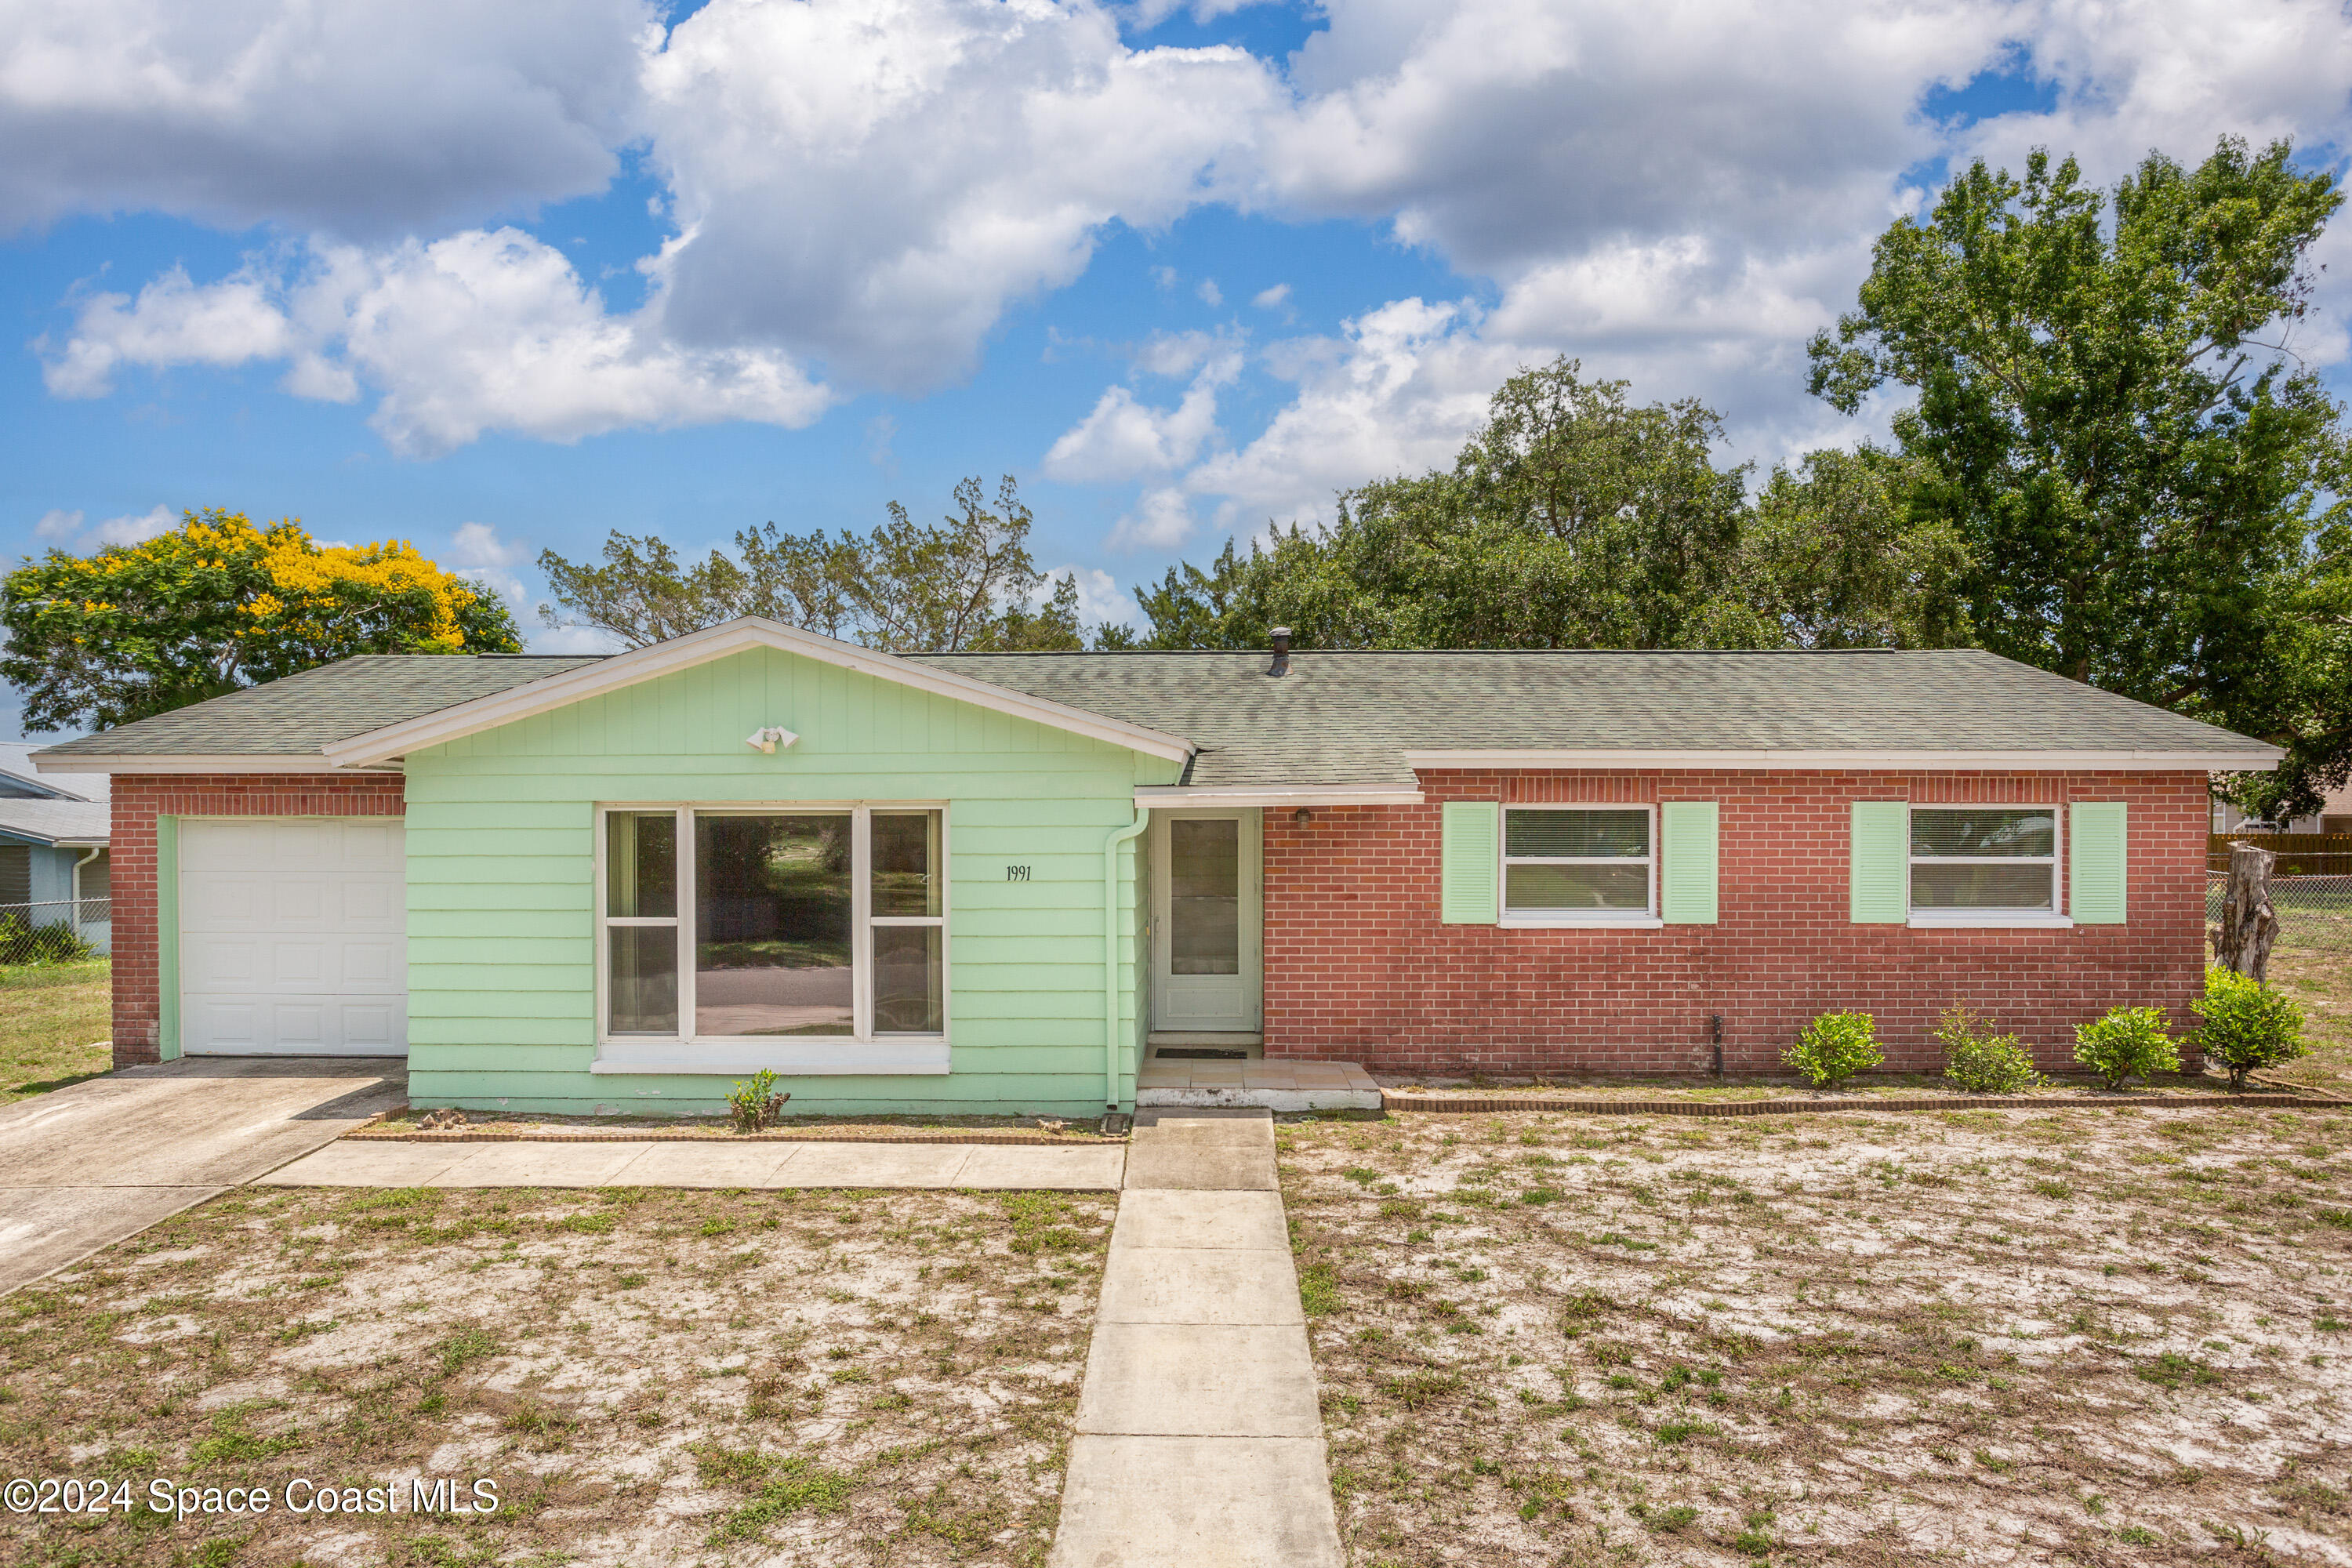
x,y
1357,966
139,800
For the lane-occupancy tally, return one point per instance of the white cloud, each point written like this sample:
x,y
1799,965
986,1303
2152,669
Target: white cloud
x,y
137,529
1150,13
480,331
1123,437
172,322
1100,598
571,639
368,117
477,554
63,529
1211,295
870,184
1272,298
1395,393
1163,518
479,544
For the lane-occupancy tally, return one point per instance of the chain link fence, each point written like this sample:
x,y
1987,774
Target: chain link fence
x,y
60,931
2311,894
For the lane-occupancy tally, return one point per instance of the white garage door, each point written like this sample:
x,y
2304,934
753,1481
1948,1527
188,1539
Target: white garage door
x,y
293,936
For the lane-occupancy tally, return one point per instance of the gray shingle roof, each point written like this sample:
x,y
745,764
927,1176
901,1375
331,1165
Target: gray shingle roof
x,y
1340,718
1346,717
296,716
89,821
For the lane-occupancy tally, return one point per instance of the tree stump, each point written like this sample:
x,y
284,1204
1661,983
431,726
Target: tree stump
x,y
2249,925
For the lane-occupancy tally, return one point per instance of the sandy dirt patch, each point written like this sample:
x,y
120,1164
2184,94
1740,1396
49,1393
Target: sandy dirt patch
x,y
1982,1337
648,1376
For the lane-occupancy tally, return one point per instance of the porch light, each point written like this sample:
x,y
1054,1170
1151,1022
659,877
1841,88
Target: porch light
x,y
769,738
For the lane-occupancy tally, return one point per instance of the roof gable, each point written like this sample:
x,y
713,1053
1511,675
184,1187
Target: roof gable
x,y
390,741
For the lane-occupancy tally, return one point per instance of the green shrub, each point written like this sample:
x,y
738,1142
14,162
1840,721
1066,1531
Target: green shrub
x,y
2246,1024
1978,1060
2129,1042
756,1105
56,942
1834,1047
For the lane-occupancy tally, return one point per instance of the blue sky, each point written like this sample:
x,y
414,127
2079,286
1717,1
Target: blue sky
x,y
503,279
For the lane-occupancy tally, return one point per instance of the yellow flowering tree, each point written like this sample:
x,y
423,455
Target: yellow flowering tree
x,y
217,604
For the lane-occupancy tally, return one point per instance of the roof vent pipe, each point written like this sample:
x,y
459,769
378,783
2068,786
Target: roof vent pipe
x,y
1281,665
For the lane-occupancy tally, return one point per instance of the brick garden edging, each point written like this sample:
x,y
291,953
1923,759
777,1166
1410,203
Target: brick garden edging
x,y
1804,1107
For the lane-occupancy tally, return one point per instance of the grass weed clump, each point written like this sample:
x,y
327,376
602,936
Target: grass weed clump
x,y
1834,1047
2246,1024
2128,1043
1982,1062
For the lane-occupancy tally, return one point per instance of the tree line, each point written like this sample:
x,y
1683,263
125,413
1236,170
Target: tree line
x,y
2112,463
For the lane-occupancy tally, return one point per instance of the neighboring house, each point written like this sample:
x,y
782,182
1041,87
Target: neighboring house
x,y
2334,816
54,868
995,882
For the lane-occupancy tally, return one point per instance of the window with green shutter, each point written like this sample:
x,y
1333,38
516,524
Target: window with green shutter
x,y
2098,879
1472,856
1878,876
1687,833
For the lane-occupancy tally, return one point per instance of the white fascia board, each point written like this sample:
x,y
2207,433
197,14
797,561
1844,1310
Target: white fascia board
x,y
190,762
2256,759
718,642
1278,795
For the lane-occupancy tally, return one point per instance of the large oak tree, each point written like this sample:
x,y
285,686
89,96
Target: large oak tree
x,y
2111,415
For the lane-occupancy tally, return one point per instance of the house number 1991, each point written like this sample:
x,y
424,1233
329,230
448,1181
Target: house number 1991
x,y
1016,873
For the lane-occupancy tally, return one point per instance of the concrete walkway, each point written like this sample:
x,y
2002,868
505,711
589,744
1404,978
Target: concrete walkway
x,y
85,1166
369,1164
1199,1441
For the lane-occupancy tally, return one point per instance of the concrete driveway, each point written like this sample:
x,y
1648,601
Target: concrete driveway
x,y
84,1166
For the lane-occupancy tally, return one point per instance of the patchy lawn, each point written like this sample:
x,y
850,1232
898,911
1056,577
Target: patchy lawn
x,y
2322,982
647,1376
49,1013
2095,1337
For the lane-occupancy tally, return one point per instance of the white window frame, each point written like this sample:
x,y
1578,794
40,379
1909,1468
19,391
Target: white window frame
x,y
1647,918
859,1052
1988,919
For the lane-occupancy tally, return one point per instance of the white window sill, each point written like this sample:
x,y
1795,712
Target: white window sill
x,y
1973,919
1531,922
786,1059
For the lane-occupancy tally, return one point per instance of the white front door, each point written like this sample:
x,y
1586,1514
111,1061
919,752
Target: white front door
x,y
1207,937
293,936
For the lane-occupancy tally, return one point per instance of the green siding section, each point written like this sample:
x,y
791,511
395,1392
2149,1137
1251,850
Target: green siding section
x,y
501,918
1878,886
1472,856
2098,879
1687,831
167,939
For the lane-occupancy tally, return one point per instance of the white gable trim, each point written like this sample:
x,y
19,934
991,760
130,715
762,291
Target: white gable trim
x,y
2257,758
1278,794
701,647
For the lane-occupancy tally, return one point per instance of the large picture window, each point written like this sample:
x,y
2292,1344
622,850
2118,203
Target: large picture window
x,y
735,923
1578,864
1979,861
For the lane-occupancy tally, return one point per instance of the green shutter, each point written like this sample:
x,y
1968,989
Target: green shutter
x,y
1472,856
1878,885
1686,872
2096,876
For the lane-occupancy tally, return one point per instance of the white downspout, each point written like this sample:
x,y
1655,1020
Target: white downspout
x,y
1119,836
73,884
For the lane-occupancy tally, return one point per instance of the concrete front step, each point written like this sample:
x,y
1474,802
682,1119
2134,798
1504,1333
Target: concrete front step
x,y
1183,1083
